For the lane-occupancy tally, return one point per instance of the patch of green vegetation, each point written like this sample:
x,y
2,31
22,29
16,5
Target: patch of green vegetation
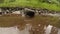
x,y
1,1
32,3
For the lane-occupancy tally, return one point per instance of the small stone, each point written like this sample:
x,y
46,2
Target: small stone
x,y
37,29
39,25
27,24
33,29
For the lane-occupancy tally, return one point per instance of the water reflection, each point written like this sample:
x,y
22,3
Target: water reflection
x,y
29,29
9,30
48,29
58,31
52,30
15,30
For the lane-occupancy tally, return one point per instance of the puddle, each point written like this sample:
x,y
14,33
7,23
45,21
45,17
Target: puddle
x,y
58,31
14,30
48,29
9,30
52,30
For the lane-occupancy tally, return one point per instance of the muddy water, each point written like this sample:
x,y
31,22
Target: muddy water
x,y
52,30
14,30
9,30
48,29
